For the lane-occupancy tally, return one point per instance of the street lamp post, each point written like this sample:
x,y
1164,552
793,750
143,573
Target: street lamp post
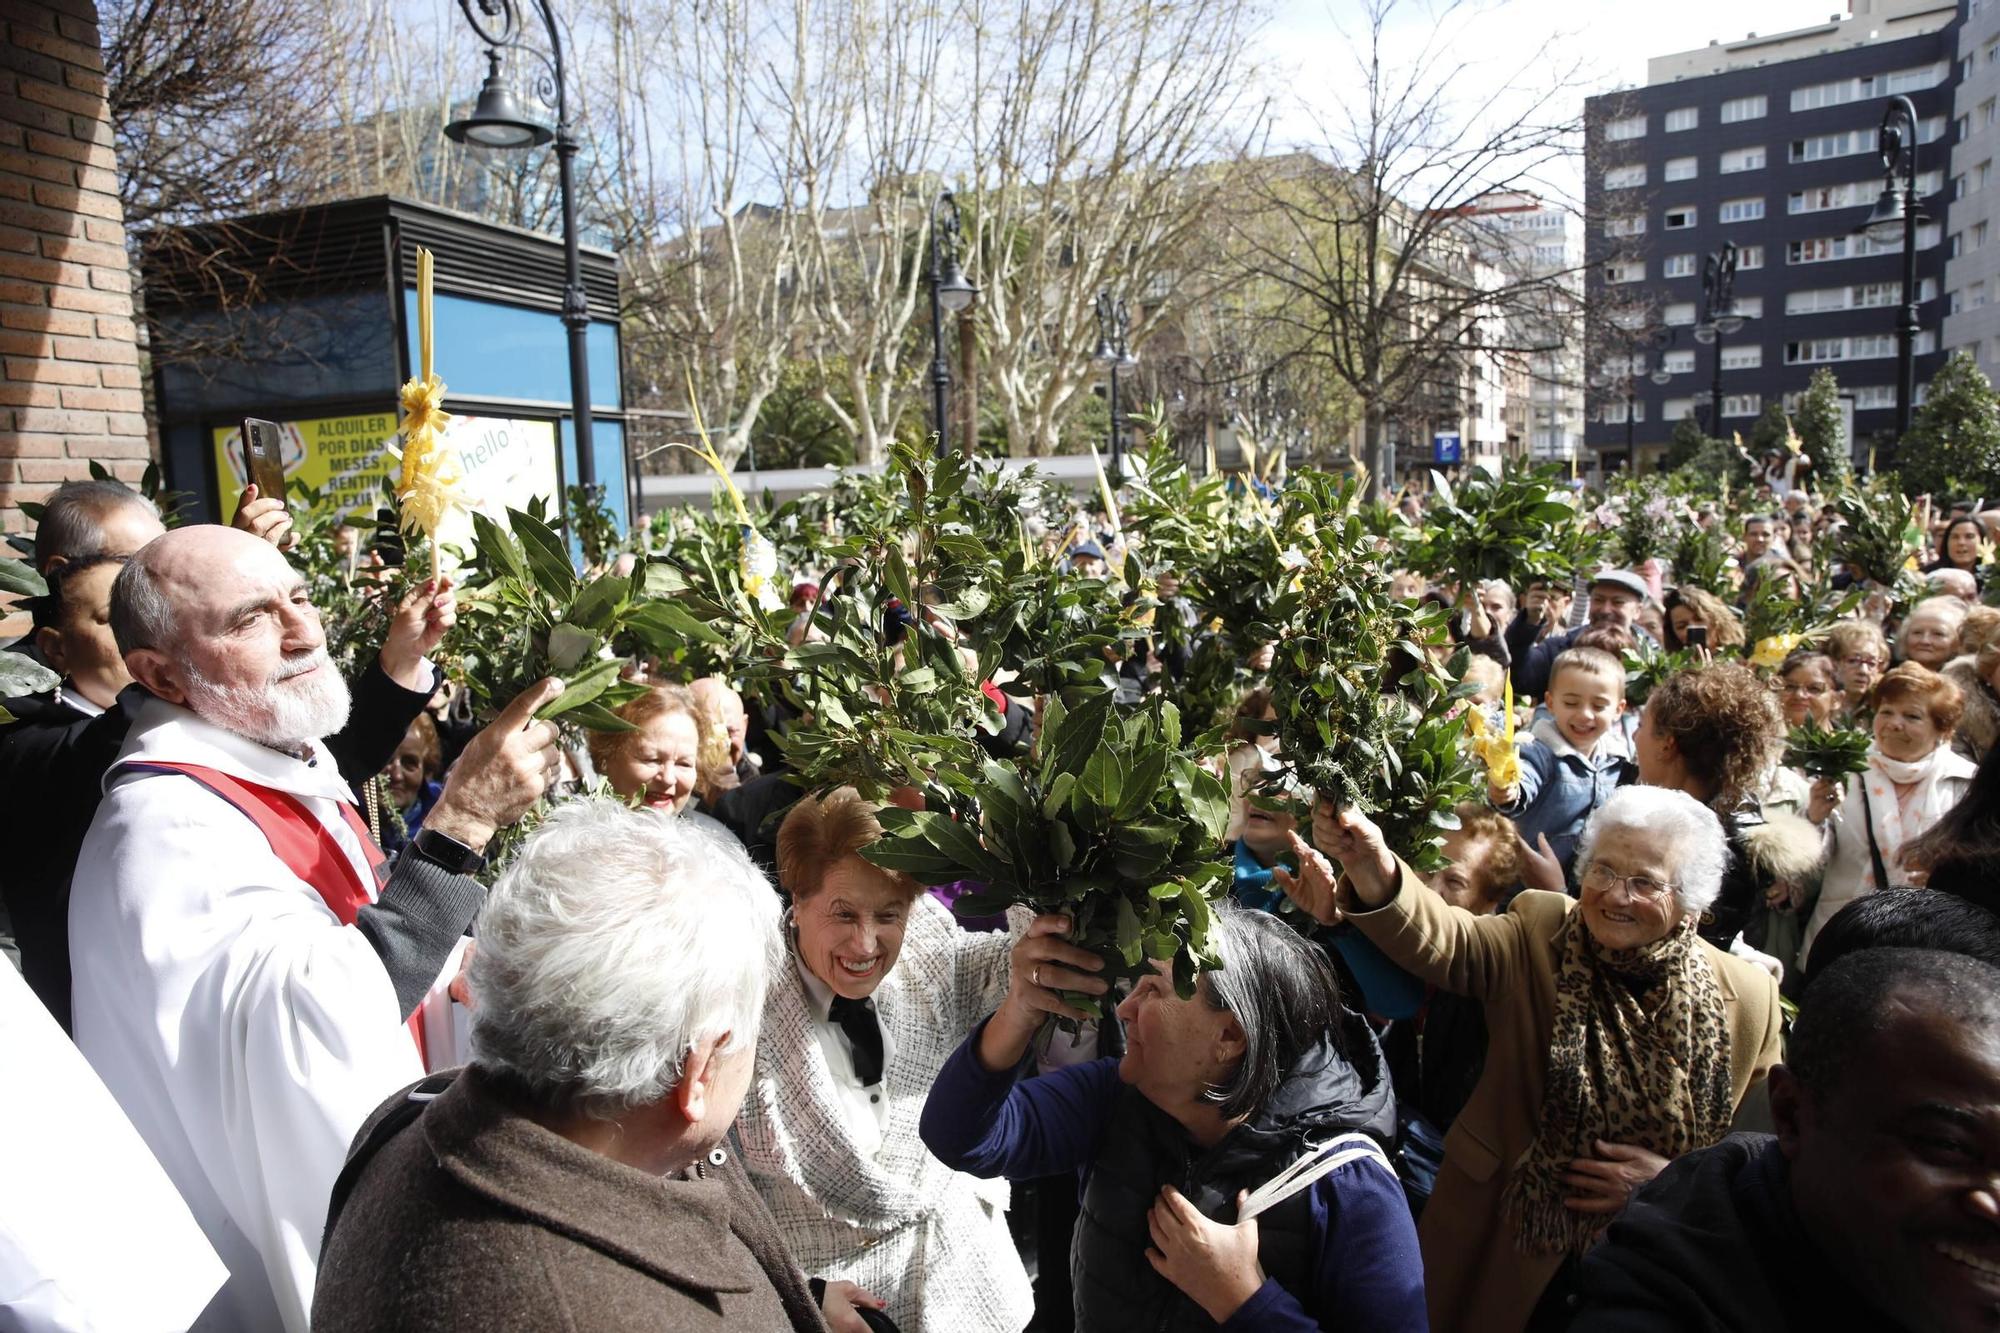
x,y
499,121
1719,319
1660,340
1114,327
949,291
1896,213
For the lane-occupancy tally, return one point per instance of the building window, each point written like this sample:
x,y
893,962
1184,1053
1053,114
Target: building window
x,y
1677,409
1677,363
1750,307
1821,249
1680,169
1844,144
1817,351
1629,271
1685,118
1978,235
1680,219
1740,210
1625,224
1678,266
1743,108
1743,405
1632,127
1749,256
1842,91
1823,198
1680,312
1982,175
1951,302
1874,397
1743,159
1859,296
1625,178
1743,358
1975,296
1989,111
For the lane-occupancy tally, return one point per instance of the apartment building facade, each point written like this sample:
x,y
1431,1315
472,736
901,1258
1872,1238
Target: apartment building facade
x,y
1779,159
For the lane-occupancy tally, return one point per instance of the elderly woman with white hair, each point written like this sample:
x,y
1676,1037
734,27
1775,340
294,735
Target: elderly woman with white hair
x,y
575,1174
1619,1040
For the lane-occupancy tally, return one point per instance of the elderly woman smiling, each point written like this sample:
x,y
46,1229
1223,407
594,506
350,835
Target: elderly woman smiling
x,y
882,984
1619,1039
1912,780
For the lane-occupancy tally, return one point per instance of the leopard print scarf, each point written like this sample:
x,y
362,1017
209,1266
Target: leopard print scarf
x,y
1639,1055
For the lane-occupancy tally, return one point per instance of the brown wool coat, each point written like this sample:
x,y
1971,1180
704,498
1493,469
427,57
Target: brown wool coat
x,y
1477,1280
476,1218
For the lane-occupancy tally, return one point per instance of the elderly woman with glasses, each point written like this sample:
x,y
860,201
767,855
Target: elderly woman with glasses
x,y
1860,653
1620,1039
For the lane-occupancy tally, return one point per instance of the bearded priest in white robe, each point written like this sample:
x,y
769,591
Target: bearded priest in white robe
x,y
245,968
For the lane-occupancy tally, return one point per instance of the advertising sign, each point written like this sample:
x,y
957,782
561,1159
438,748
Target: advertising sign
x,y
505,463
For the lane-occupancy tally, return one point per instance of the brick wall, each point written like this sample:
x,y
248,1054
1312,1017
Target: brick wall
x,y
69,362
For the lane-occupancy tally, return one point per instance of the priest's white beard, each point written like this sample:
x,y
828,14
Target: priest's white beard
x,y
291,708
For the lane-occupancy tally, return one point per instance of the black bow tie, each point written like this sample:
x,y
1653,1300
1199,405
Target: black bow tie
x,y
857,1019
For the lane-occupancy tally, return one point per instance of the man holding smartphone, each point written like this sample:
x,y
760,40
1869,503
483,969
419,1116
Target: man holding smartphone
x,y
1544,612
1616,598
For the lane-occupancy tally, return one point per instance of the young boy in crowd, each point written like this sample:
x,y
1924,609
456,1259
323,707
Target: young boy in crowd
x,y
1576,758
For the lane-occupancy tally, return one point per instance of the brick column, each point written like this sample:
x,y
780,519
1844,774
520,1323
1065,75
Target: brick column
x,y
69,360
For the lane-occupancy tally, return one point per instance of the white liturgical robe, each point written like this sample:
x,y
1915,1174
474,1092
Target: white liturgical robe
x,y
245,1031
92,1235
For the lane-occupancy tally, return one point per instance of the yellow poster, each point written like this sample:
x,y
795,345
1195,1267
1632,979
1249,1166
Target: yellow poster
x,y
502,463
347,455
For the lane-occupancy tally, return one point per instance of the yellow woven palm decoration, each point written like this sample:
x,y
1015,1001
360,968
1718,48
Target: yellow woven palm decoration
x,y
1771,652
1497,750
428,489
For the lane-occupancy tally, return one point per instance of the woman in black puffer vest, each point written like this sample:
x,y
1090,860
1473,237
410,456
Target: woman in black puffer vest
x,y
1261,1070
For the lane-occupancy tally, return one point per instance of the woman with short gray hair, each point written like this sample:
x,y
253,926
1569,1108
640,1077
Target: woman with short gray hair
x,y
1619,1039
1262,1081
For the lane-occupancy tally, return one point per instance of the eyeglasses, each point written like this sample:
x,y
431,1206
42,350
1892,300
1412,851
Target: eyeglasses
x,y
1601,878
1858,660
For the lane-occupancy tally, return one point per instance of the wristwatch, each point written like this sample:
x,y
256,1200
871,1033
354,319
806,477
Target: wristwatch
x,y
446,852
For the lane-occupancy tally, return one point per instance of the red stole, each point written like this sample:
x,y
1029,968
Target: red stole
x,y
304,845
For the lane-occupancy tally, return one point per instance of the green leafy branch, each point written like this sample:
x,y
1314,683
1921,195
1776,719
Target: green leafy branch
x,y
1115,824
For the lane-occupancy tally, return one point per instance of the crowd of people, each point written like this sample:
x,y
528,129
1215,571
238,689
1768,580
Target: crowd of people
x,y
694,1061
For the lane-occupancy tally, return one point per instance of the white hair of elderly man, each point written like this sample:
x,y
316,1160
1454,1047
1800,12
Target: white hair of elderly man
x,y
617,941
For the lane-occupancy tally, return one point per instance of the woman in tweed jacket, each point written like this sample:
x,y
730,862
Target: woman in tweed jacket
x,y
882,986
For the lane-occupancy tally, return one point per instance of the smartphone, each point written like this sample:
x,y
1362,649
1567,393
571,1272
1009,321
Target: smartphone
x,y
1697,636
264,457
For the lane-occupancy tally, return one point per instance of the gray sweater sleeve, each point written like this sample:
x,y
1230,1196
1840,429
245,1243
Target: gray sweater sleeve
x,y
415,923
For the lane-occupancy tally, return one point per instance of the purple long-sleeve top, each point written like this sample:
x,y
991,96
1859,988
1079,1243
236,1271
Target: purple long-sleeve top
x,y
1369,1274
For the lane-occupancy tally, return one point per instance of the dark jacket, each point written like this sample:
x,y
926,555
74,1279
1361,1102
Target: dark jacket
x,y
474,1217
754,811
1531,672
1744,883
1713,1245
52,765
1354,1241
